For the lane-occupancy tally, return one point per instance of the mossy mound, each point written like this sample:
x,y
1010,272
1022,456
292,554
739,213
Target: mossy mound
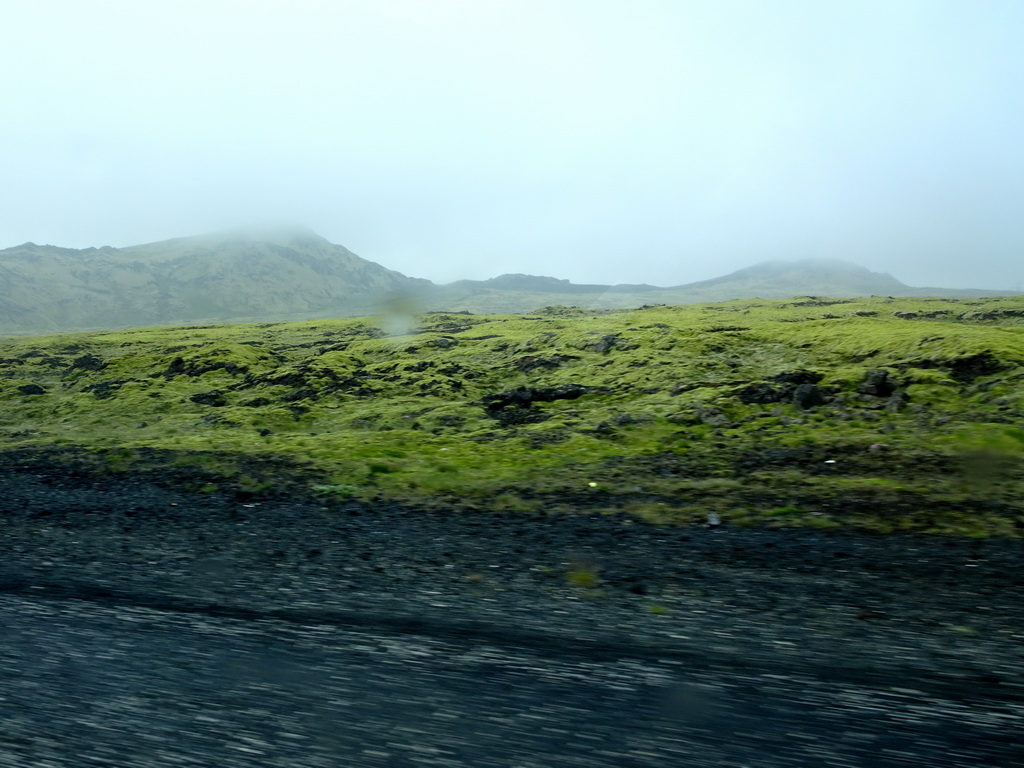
x,y
887,414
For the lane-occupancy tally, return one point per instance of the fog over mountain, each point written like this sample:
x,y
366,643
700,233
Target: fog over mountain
x,y
289,273
235,275
602,141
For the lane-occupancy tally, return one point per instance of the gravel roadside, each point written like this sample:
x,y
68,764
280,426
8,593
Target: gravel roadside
x,y
953,609
213,628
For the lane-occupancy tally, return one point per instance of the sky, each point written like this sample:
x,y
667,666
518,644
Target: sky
x,y
603,141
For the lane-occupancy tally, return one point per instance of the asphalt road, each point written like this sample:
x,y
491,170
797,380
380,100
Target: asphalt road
x,y
87,684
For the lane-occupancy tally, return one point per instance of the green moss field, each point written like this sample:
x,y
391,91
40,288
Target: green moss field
x,y
874,414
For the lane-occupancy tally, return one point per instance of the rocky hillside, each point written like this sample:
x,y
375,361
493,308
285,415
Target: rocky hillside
x,y
225,277
888,414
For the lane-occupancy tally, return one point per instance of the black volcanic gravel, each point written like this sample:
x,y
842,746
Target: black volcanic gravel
x,y
947,613
835,599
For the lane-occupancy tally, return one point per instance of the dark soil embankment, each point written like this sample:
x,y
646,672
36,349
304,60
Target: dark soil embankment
x,y
949,609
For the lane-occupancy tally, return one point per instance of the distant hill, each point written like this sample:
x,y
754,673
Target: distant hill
x,y
778,279
294,274
767,280
815,277
231,276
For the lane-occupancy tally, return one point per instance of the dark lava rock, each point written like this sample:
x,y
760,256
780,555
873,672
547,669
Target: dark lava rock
x,y
712,417
290,379
178,367
87,362
175,368
897,401
531,363
967,369
799,387
516,416
761,393
523,397
797,377
993,315
625,419
104,390
920,315
304,393
605,345
878,382
213,398
809,395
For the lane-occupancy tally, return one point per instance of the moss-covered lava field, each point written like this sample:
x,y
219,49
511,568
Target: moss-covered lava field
x,y
878,414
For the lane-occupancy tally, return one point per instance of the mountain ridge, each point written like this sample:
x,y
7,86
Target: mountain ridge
x,y
280,273
229,276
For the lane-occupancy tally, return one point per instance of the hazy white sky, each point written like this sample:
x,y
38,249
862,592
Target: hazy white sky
x,y
659,141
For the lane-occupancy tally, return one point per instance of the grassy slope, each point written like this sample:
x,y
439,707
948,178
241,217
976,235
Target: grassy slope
x,y
656,426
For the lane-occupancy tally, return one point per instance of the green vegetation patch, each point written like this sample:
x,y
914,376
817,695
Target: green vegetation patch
x,y
881,414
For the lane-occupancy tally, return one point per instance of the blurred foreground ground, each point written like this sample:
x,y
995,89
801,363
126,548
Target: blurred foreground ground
x,y
140,626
